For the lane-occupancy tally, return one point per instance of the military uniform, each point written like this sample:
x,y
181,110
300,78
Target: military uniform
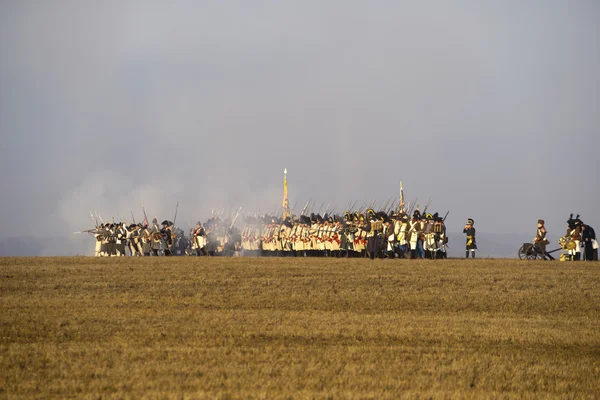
x,y
471,244
374,229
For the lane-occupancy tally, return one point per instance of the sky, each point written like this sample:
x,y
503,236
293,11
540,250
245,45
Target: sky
x,y
490,108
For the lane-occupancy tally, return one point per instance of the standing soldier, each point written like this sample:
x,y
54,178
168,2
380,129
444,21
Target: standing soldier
x,y
200,239
132,235
574,233
414,230
439,230
99,238
540,240
156,237
374,229
121,239
145,240
471,243
166,234
400,230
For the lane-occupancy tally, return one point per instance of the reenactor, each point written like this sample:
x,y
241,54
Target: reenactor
x,y
471,245
574,232
441,239
414,230
121,239
540,241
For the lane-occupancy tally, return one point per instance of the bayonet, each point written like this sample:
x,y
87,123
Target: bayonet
x,y
175,217
427,206
94,220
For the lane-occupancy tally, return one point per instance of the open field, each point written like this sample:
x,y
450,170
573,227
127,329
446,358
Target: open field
x,y
300,328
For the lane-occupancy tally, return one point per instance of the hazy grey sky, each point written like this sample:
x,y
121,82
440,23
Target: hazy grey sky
x,y
492,108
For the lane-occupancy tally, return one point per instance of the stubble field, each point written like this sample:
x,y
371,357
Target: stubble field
x,y
298,328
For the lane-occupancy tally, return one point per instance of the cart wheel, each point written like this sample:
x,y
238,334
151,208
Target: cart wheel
x,y
522,253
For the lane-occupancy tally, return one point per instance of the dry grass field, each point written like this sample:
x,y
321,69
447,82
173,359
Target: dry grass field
x,y
298,328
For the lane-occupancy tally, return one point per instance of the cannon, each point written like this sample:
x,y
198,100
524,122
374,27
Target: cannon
x,y
531,251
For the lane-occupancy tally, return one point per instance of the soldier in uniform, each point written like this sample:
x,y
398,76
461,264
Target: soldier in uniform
x,y
401,230
390,236
414,231
588,236
374,227
156,238
121,240
200,239
439,230
574,233
133,237
429,236
145,240
166,238
469,230
98,235
540,241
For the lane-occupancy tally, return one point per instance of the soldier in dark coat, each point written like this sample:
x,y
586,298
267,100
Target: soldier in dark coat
x,y
540,240
469,230
587,238
374,229
166,238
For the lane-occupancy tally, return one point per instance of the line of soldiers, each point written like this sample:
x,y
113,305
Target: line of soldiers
x,y
119,239
373,234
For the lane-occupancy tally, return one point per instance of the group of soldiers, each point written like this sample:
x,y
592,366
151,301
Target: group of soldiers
x,y
120,239
372,234
580,238
354,234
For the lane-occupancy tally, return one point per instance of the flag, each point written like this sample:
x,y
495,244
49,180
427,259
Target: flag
x,y
401,204
285,203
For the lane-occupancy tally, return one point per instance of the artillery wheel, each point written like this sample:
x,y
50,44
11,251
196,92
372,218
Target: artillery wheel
x,y
527,253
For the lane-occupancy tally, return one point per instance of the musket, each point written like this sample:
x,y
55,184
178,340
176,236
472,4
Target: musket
x,y
384,208
352,207
120,218
235,218
391,206
87,231
412,207
428,203
408,207
305,207
320,208
94,220
145,216
101,220
175,217
132,217
446,216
